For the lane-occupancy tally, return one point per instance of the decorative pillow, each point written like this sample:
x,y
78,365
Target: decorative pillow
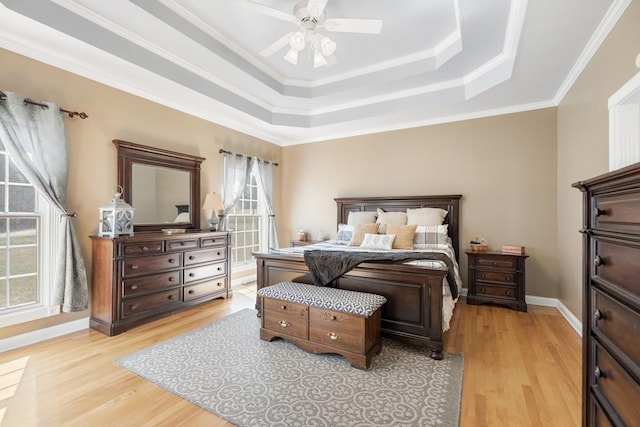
x,y
426,216
361,218
359,230
427,236
385,218
378,241
344,234
404,235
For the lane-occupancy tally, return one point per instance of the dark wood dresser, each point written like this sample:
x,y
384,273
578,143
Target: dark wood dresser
x,y
611,304
141,277
497,278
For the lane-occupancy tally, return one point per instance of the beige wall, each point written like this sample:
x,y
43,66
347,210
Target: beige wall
x,y
114,114
583,138
504,166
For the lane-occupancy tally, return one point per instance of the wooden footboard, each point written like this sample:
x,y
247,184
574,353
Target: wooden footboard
x,y
413,312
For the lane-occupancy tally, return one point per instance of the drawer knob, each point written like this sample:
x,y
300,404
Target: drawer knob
x,y
134,287
171,278
145,248
219,268
133,307
134,267
191,291
598,373
483,291
171,260
507,293
219,284
495,264
333,336
598,315
284,307
219,253
598,260
172,297
191,274
482,275
191,257
284,323
598,212
507,277
332,317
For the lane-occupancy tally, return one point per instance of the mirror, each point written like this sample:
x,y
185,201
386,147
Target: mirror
x,y
163,186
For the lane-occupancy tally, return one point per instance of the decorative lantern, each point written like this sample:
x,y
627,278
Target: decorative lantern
x,y
116,218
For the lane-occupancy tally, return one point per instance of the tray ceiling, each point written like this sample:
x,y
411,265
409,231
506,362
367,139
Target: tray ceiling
x,y
434,61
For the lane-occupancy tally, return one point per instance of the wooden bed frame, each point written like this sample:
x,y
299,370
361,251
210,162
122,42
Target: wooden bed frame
x,y
413,311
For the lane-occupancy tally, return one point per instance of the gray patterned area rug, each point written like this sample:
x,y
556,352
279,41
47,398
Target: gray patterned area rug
x,y
226,369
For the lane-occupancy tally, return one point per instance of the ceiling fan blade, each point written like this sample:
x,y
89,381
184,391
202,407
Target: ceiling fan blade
x,y
269,11
277,45
367,26
316,7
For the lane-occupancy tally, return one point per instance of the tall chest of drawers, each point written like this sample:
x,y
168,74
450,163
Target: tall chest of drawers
x,y
611,304
141,277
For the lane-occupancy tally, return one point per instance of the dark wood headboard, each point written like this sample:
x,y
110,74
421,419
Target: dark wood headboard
x,y
450,203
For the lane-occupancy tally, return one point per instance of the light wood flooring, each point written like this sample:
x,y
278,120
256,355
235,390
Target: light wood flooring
x,y
520,369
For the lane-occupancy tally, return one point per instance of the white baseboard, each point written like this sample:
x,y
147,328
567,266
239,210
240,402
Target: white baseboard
x,y
573,321
43,334
244,280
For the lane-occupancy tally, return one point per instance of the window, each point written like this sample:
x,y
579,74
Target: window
x,y
246,221
25,218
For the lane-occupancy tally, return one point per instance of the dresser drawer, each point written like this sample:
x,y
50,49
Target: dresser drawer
x,y
143,265
496,276
198,257
336,329
617,264
496,261
142,248
160,300
496,291
619,389
213,241
177,245
204,272
201,289
149,283
597,415
618,323
295,324
617,212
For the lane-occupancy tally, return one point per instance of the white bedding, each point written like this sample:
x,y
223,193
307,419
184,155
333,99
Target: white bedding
x,y
448,303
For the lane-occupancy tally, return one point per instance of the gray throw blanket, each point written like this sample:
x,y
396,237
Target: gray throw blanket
x,y
326,266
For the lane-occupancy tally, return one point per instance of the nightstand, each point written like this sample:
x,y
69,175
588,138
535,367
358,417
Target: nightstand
x,y
293,243
497,278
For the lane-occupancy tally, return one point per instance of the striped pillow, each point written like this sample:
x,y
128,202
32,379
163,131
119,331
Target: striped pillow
x,y
359,230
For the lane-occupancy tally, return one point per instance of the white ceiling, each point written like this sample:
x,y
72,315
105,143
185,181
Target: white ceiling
x,y
434,61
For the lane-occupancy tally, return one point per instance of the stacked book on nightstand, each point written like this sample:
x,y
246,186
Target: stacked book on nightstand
x,y
511,249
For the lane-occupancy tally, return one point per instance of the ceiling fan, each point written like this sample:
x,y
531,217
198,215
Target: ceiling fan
x,y
309,16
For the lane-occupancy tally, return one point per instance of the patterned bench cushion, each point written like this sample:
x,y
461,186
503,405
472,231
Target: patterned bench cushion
x,y
360,303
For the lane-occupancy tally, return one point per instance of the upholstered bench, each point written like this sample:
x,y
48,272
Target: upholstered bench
x,y
323,320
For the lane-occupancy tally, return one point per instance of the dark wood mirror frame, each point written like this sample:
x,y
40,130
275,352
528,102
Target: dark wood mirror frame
x,y
130,153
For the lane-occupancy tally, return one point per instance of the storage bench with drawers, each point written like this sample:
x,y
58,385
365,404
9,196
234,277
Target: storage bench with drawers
x,y
323,320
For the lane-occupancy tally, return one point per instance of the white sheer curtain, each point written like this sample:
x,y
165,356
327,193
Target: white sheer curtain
x,y
265,179
237,170
34,138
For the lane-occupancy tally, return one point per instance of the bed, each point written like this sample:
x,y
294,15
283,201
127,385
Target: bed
x,y
419,300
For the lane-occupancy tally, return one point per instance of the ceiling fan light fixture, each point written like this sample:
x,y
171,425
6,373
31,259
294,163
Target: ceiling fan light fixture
x,y
292,56
327,46
318,59
297,41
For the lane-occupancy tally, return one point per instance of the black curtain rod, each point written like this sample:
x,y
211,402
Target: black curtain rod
x,y
83,116
242,155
